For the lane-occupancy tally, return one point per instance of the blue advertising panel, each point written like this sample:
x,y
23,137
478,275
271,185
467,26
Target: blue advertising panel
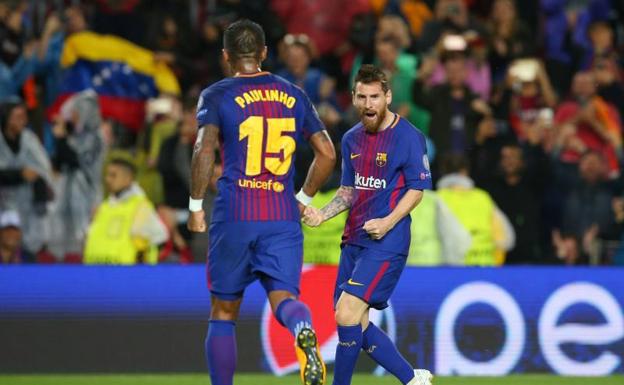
x,y
464,321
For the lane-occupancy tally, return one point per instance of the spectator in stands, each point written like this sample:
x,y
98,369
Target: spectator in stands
x,y
565,26
601,44
327,23
25,175
450,16
474,51
517,188
528,99
492,234
587,212
17,61
297,54
126,229
588,122
438,237
509,38
12,34
609,82
415,12
172,46
455,110
174,165
11,250
78,163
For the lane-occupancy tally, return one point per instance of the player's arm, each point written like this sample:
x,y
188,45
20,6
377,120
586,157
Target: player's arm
x,y
321,167
377,228
202,166
343,200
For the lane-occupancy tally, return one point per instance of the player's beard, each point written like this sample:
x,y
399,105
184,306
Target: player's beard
x,y
372,124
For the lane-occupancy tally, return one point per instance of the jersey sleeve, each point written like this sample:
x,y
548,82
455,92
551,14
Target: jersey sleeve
x,y
348,174
208,109
311,120
416,169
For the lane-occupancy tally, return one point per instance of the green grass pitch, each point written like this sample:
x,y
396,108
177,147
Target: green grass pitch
x,y
262,379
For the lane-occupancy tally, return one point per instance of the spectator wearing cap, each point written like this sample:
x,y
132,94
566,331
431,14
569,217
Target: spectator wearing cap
x,y
11,250
25,175
126,229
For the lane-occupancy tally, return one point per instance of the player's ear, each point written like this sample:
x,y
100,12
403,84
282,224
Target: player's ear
x,y
263,54
389,97
226,55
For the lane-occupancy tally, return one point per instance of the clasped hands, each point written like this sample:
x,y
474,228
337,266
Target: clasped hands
x,y
376,228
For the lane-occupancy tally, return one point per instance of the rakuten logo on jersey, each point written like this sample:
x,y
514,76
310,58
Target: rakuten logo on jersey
x,y
370,183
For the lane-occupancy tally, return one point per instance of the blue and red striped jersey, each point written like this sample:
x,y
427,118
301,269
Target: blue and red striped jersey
x,y
381,167
261,117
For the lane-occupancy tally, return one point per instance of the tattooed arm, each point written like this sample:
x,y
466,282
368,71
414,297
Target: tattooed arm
x,y
342,201
202,166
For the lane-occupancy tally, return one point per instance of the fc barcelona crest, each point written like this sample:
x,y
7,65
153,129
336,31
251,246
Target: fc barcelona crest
x,y
382,159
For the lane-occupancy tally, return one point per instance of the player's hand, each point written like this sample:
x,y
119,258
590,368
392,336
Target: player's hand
x,y
312,216
377,228
197,221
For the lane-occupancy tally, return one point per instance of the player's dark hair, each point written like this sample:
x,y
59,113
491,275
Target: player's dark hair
x,y
369,73
124,163
244,39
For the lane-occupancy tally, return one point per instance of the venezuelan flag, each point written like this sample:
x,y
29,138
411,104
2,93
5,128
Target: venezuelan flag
x,y
123,75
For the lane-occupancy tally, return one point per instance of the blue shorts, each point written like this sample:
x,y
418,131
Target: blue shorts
x,y
241,252
368,274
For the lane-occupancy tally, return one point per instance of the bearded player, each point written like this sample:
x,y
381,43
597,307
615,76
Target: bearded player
x,y
384,172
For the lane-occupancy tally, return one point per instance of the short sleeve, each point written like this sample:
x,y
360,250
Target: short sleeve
x,y
311,120
208,109
416,170
348,174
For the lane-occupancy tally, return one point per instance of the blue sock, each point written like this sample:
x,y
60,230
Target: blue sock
x,y
347,351
293,315
221,352
380,348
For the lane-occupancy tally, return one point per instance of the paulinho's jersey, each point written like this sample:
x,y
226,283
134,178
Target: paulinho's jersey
x,y
261,117
381,167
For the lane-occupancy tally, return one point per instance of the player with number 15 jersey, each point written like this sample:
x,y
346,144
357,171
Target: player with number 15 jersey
x,y
256,119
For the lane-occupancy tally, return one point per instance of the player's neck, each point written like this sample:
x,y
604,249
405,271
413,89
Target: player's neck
x,y
388,120
247,68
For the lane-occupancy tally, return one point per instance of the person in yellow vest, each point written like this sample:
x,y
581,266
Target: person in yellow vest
x,y
491,232
321,245
438,238
126,229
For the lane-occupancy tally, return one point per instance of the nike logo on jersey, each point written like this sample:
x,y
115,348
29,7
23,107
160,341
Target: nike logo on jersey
x,y
353,156
353,283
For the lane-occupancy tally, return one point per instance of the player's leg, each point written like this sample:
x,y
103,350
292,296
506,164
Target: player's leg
x,y
228,273
373,280
349,315
220,341
278,262
295,316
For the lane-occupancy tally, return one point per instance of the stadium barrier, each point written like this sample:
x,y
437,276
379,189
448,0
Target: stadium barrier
x,y
465,321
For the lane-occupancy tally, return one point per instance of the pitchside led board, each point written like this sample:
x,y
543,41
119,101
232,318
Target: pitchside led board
x,y
455,321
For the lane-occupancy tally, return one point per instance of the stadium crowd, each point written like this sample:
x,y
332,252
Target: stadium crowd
x,y
522,103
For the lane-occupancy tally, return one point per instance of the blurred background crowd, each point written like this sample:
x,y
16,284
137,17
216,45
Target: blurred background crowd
x,y
521,101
